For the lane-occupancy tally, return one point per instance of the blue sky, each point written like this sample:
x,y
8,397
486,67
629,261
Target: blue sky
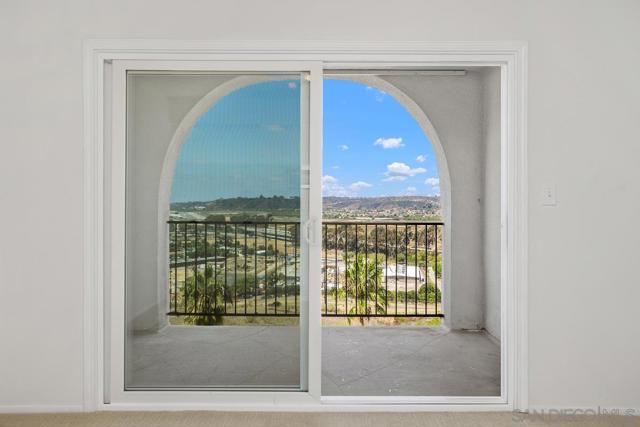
x,y
247,145
372,145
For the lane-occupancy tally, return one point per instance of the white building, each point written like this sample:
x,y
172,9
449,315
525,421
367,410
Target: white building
x,y
405,276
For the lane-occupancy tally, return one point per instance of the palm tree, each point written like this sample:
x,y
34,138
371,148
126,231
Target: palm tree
x,y
207,301
363,279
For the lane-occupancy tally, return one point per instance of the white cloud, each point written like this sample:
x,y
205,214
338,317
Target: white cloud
x,y
335,167
395,178
435,186
389,142
398,171
292,85
331,187
421,158
410,190
378,94
329,180
399,168
343,147
359,185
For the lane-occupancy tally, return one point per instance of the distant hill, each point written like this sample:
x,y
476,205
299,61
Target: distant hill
x,y
283,208
261,204
240,204
381,203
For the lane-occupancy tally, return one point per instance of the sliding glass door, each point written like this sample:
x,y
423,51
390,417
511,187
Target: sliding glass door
x,y
215,290
277,231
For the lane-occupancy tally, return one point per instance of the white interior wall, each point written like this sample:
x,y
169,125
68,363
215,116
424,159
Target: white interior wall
x,y
583,130
491,199
157,105
454,105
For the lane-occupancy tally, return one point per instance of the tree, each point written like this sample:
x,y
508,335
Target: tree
x,y
206,302
361,276
428,291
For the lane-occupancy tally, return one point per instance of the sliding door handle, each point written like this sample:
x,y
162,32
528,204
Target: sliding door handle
x,y
309,231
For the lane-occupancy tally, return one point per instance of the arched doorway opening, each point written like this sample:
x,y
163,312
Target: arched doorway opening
x,y
437,184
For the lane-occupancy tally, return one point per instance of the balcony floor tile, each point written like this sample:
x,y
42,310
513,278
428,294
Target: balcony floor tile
x,y
360,361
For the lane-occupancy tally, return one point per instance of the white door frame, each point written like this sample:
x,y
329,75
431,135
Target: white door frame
x,y
310,56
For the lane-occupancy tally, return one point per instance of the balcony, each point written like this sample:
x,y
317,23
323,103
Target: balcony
x,y
381,303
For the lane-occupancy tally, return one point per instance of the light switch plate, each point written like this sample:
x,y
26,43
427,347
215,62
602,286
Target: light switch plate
x,y
549,196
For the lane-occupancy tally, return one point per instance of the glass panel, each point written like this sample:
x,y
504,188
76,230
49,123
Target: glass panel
x,y
385,245
213,213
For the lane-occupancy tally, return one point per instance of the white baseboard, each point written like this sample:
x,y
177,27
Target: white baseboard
x,y
38,409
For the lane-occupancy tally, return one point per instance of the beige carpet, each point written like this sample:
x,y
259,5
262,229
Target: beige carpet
x,y
274,419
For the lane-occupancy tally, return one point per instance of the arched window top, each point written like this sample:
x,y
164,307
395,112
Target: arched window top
x,y
206,152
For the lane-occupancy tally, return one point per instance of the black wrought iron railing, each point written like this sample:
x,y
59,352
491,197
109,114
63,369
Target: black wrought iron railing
x,y
369,269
